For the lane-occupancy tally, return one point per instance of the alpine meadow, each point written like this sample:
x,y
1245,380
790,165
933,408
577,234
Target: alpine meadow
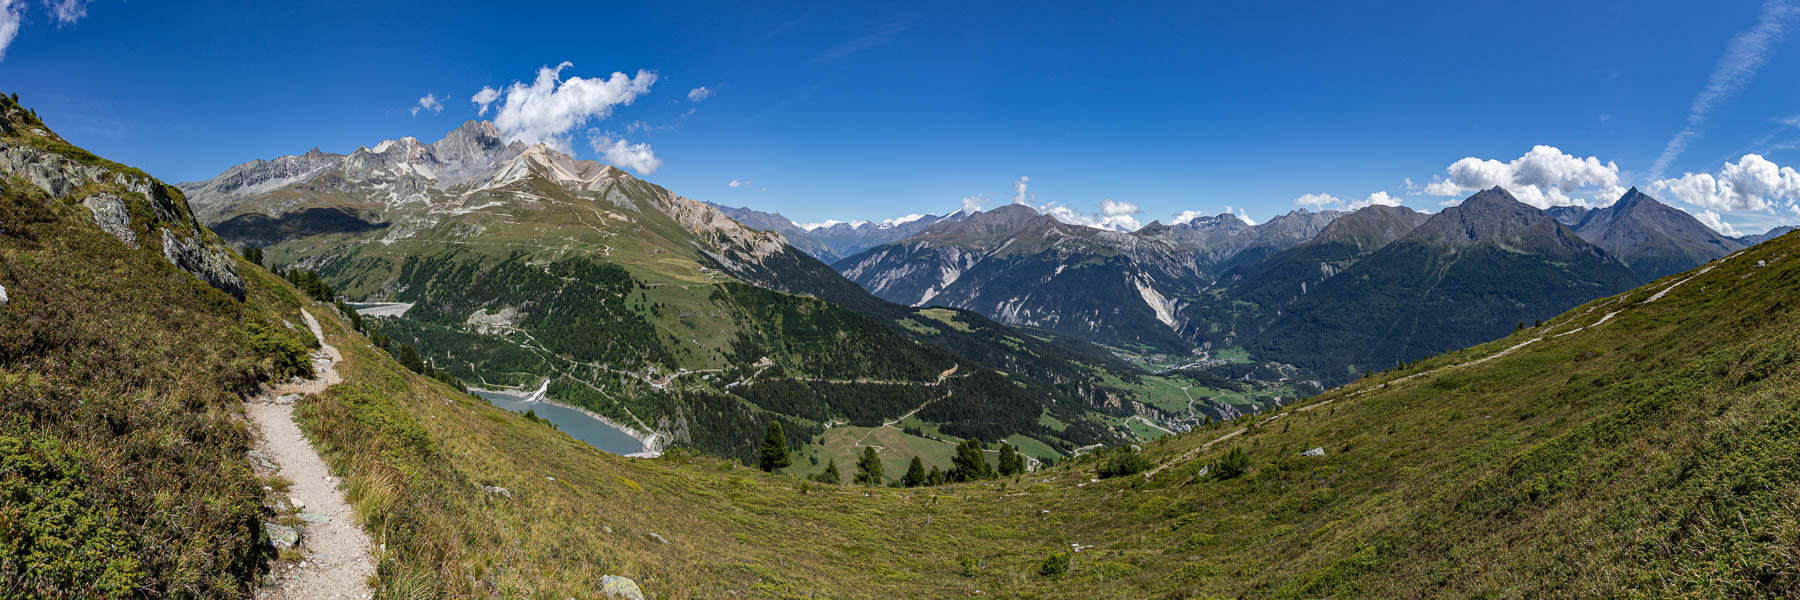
x,y
715,300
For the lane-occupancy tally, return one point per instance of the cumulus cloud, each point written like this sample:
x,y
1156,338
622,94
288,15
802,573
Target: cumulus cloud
x,y
10,19
1711,219
972,204
550,107
1114,215
1543,177
1021,191
1318,201
739,183
486,96
901,220
1744,56
1751,183
1186,216
431,103
67,12
699,93
1376,199
637,157
1241,215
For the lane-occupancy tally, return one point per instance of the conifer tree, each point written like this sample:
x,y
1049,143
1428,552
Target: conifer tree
x,y
868,468
915,473
936,477
968,464
830,475
1011,463
773,454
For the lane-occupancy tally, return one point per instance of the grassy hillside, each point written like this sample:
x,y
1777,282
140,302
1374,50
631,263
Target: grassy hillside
x,y
1641,445
122,469
1649,454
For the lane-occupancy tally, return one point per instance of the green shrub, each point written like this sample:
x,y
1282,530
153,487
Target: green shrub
x,y
1234,463
1124,462
1056,564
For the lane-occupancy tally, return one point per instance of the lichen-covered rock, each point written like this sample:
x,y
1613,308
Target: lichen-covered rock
x,y
613,586
211,265
1314,452
113,217
281,536
2,295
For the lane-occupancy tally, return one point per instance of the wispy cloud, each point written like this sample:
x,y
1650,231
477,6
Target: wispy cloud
x,y
873,39
739,182
67,12
1744,56
10,19
430,103
699,93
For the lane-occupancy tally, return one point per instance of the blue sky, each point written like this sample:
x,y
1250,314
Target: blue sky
x,y
879,110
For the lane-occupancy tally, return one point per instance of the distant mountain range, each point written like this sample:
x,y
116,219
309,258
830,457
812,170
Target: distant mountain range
x,y
522,264
831,243
1293,289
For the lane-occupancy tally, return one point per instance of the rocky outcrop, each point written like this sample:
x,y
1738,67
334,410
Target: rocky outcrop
x,y
113,217
211,265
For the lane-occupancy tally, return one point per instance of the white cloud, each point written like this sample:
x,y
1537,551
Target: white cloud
x,y
10,19
699,93
550,107
1186,216
1114,215
738,183
1376,199
486,96
1793,121
830,223
1241,215
901,220
1711,219
431,103
1021,193
1751,183
1317,201
1744,56
67,12
972,204
637,157
1543,177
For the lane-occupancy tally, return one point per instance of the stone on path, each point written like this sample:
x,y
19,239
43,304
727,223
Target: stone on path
x,y
281,536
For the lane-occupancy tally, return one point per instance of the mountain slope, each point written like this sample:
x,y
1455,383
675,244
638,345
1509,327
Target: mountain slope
x,y
632,301
799,238
1639,445
1651,237
127,334
1465,275
1023,268
1552,463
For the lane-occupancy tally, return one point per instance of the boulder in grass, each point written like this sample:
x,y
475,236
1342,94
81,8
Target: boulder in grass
x,y
613,586
1314,452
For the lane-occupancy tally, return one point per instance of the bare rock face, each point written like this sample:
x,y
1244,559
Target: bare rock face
x,y
211,265
113,217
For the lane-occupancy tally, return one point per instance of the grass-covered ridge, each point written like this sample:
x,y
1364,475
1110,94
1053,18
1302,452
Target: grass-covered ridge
x,y
1649,454
122,469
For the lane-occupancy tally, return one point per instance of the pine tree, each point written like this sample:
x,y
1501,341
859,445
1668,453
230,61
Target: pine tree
x,y
936,477
773,454
830,475
968,464
868,468
915,473
1010,461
